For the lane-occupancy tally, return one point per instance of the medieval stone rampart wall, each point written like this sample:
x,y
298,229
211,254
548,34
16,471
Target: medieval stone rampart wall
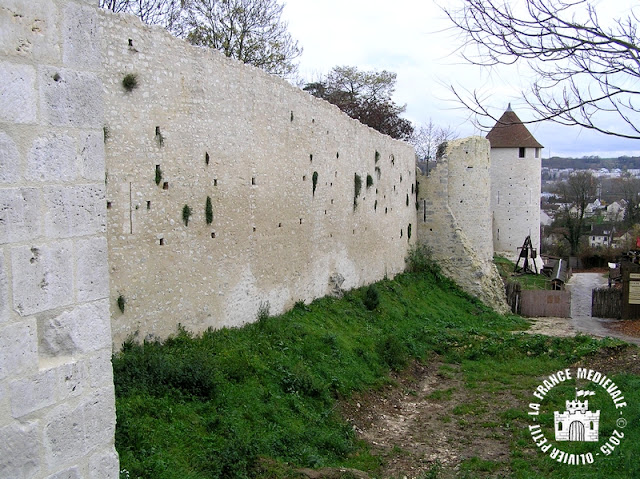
x,y
454,219
253,144
57,416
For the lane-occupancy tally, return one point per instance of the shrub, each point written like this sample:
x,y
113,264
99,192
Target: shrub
x,y
371,298
263,311
130,81
121,303
393,352
186,214
420,260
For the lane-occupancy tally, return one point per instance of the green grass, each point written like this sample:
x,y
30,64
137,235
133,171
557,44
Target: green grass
x,y
261,400
527,281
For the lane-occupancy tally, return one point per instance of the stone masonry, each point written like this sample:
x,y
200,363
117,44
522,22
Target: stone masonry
x,y
57,414
454,219
279,167
104,230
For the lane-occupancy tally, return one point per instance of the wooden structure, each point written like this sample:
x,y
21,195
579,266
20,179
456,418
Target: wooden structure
x,y
630,290
528,256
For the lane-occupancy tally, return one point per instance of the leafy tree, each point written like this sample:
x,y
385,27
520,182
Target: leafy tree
x,y
248,30
585,68
365,96
576,193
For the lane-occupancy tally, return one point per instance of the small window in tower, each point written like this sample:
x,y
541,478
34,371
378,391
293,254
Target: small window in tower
x,y
537,152
521,151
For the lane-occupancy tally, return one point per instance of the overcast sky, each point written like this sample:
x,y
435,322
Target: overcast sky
x,y
414,40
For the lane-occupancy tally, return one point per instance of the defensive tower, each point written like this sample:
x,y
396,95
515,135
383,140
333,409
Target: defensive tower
x,y
515,184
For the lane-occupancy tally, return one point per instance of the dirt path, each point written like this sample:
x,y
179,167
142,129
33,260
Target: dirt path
x,y
428,421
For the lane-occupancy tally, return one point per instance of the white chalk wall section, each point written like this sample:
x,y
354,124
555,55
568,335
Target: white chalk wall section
x,y
455,219
515,199
279,167
57,413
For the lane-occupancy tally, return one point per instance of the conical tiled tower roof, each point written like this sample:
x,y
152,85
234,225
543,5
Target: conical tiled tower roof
x,y
509,132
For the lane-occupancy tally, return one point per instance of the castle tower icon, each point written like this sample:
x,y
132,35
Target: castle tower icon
x,y
577,423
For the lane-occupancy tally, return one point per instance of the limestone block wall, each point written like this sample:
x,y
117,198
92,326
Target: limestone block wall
x,y
515,199
279,167
454,219
57,414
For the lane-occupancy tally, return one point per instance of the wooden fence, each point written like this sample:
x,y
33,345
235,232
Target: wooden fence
x,y
606,303
538,303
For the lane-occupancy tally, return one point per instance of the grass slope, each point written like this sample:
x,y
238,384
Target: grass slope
x,y
211,406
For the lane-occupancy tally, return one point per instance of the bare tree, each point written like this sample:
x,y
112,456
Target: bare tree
x,y
629,190
248,30
115,6
427,138
166,13
584,68
576,193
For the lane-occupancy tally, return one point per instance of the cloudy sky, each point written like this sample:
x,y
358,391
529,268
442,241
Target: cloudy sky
x,y
415,40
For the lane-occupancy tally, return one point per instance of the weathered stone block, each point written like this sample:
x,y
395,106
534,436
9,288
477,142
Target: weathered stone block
x,y
4,291
81,46
83,329
19,214
64,435
9,159
52,158
18,349
104,465
71,379
29,31
92,270
70,98
93,157
100,417
42,277
18,95
100,369
71,473
33,393
19,451
74,210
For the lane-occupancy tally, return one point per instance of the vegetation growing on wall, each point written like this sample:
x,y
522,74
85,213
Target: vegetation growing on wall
x,y
121,302
357,186
186,214
208,211
159,137
130,81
